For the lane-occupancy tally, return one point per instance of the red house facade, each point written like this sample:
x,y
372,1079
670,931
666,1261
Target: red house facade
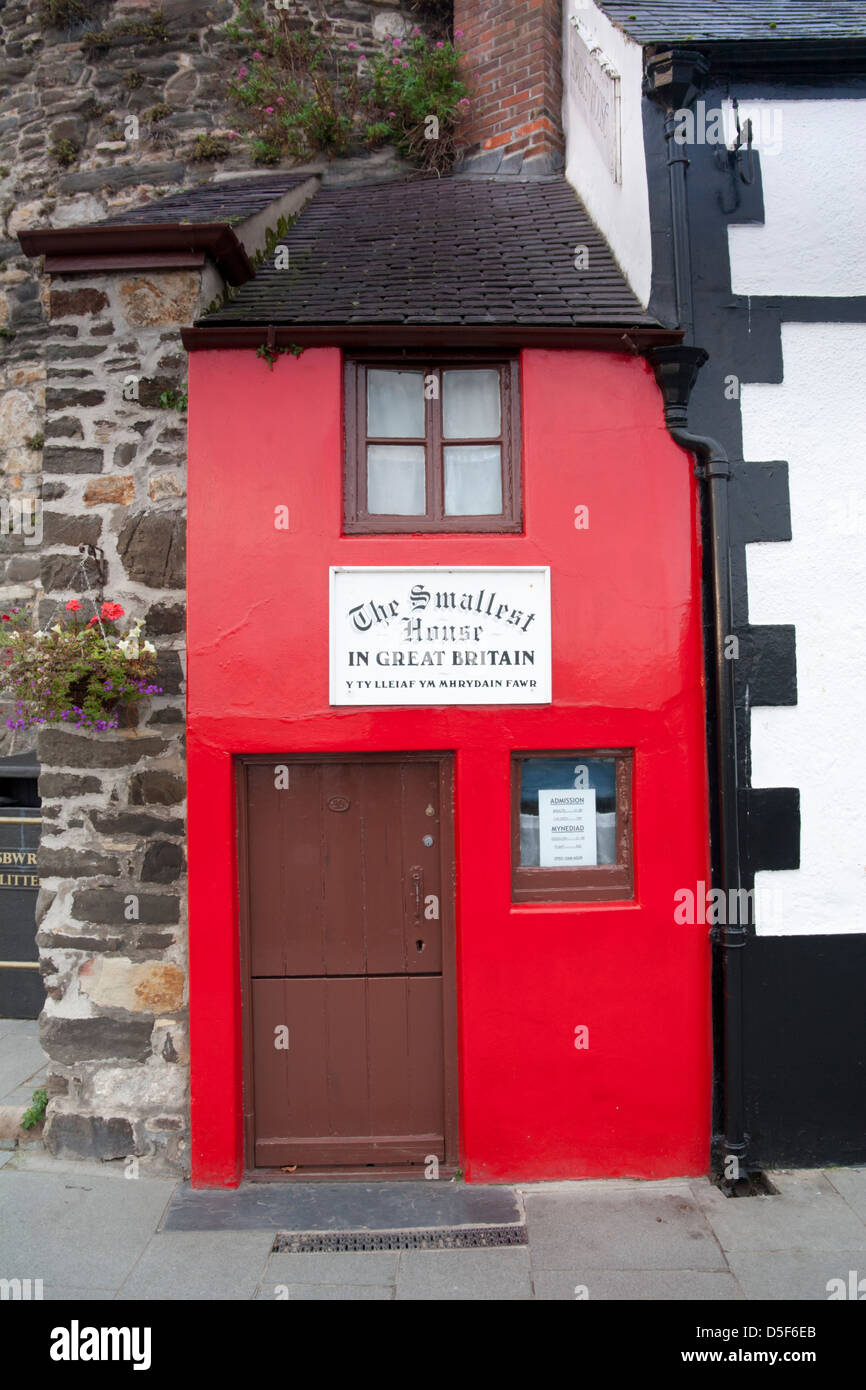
x,y
564,1031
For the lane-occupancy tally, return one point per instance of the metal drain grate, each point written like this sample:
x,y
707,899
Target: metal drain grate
x,y
437,1238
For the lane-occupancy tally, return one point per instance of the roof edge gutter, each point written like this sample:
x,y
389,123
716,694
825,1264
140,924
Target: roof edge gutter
x,y
633,339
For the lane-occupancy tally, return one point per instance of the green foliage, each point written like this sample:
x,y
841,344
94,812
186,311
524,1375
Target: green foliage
x,y
92,110
65,152
7,332
209,147
75,673
35,1113
132,80
270,354
273,235
157,113
300,95
149,29
64,14
35,442
174,400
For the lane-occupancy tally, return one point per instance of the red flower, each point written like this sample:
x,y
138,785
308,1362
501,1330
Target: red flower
x,y
111,612
92,621
73,605
6,618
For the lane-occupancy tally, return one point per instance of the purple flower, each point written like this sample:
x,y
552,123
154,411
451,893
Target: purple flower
x,y
269,110
440,44
458,33
397,42
353,45
280,101
243,72
257,54
395,62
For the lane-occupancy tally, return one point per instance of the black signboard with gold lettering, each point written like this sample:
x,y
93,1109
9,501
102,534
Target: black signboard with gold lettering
x,y
21,991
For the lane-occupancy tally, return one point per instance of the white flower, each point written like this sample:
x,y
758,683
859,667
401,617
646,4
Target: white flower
x,y
57,628
150,648
39,635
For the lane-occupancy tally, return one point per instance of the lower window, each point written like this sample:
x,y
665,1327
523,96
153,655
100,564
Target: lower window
x,y
571,826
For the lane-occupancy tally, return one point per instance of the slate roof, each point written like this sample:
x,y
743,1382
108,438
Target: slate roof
x,y
726,21
440,251
230,201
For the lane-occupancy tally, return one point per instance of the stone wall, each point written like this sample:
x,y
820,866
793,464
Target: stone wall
x,y
112,906
83,362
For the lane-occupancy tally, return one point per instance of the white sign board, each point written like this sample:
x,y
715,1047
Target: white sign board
x,y
596,86
437,636
566,828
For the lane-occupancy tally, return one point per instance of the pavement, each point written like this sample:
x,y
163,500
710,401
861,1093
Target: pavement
x,y
91,1231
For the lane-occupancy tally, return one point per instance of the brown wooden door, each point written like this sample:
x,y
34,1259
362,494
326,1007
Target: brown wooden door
x,y
346,886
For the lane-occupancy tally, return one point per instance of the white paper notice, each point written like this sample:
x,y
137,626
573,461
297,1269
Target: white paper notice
x,y
566,824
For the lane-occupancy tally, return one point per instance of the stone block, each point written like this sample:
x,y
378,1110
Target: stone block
x,y
79,302
136,823
64,784
156,299
152,548
163,862
65,427
70,458
110,907
89,1136
73,1040
156,788
119,491
60,529
61,748
164,619
118,983
75,863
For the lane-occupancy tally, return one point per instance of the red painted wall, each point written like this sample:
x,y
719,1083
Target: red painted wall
x,y
627,672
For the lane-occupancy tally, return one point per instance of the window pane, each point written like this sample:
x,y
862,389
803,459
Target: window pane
x,y
395,479
470,405
473,480
567,811
395,404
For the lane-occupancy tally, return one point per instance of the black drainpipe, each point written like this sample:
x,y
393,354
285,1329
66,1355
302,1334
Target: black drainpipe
x,y
673,80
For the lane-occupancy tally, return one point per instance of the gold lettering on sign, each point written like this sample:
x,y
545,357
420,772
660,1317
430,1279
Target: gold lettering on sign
x,y
19,880
18,856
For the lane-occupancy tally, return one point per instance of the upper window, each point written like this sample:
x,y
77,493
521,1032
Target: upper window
x,y
432,447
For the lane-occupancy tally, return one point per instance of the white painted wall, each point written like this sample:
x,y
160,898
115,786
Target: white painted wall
x,y
813,166
816,420
619,210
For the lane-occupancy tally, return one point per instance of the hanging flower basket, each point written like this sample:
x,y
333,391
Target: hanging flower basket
x,y
87,675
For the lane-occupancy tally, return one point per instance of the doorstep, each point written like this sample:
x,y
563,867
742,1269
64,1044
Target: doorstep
x,y
330,1206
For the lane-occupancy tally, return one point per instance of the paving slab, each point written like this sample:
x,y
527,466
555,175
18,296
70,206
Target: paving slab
x,y
850,1183
307,1293
349,1267
19,1027
799,1275
332,1206
657,1228
807,1214
499,1274
652,1285
199,1265
21,1060
76,1229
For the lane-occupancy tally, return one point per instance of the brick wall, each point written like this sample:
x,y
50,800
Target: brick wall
x,y
513,57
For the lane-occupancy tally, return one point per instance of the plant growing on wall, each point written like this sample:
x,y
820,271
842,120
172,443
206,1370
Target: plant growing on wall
x,y
302,94
76,673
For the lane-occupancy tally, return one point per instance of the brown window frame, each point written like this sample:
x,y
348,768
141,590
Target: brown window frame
x,y
598,883
357,521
